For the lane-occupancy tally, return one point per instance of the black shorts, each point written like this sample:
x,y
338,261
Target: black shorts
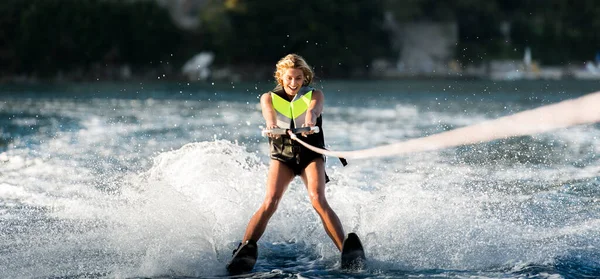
x,y
301,159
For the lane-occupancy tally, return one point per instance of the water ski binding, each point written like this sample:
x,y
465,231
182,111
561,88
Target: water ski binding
x,y
353,255
244,258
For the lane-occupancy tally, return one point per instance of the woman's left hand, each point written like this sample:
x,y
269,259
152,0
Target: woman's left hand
x,y
311,116
308,124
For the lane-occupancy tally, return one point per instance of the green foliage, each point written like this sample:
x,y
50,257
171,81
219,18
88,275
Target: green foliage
x,y
333,35
10,16
336,36
558,31
45,36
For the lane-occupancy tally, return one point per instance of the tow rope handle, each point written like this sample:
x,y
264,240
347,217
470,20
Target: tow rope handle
x,y
282,131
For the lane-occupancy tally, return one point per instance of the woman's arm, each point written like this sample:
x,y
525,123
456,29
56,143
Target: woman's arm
x,y
315,108
268,111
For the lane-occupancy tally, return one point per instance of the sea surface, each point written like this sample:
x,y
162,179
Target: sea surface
x,y
158,180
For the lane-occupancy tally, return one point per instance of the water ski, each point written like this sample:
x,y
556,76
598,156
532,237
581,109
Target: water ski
x,y
244,258
353,255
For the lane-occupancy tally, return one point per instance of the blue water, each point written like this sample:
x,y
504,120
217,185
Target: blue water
x,y
158,180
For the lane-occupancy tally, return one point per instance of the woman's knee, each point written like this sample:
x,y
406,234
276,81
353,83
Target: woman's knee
x,y
270,205
318,201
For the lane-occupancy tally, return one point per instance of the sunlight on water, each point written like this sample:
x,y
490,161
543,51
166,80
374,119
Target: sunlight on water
x,y
140,188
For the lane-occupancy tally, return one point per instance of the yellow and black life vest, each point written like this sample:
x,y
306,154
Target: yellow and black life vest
x,y
292,114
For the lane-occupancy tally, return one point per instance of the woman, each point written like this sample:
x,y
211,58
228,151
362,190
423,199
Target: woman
x,y
293,103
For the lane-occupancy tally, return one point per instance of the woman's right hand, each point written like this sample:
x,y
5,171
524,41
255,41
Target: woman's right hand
x,y
272,126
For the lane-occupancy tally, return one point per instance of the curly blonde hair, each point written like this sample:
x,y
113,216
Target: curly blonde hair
x,y
293,61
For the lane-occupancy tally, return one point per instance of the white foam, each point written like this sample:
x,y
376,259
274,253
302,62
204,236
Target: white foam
x,y
122,192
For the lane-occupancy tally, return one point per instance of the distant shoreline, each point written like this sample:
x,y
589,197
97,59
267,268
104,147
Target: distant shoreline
x,y
244,73
461,88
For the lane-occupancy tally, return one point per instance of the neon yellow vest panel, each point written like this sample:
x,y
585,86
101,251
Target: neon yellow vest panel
x,y
292,111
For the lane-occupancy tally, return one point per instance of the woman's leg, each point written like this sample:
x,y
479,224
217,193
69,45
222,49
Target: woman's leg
x,y
278,179
314,179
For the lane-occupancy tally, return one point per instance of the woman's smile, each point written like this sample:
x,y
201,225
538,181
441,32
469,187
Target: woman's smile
x,y
292,81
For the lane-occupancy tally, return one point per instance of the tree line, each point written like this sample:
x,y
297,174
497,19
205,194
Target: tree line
x,y
45,36
42,37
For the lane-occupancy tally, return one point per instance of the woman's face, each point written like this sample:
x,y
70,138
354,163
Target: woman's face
x,y
292,80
